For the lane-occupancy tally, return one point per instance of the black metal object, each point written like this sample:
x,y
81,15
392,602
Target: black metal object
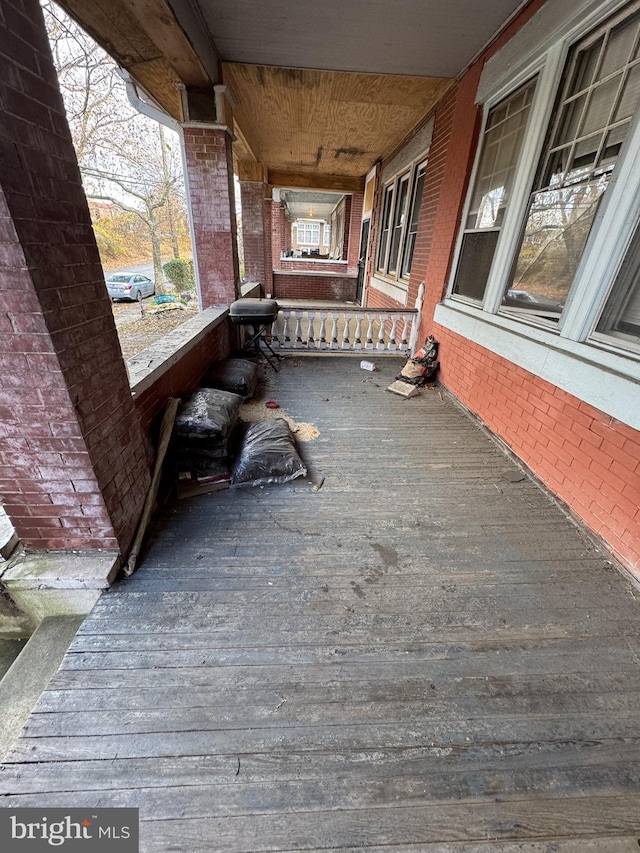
x,y
259,314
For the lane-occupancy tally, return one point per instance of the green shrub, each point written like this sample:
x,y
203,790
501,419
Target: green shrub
x,y
180,274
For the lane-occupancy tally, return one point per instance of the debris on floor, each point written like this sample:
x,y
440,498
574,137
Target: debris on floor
x,y
368,365
255,410
418,371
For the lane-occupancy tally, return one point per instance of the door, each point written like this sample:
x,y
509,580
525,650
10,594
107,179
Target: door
x,y
362,259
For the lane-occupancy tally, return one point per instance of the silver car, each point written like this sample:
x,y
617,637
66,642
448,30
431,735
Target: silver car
x,y
130,285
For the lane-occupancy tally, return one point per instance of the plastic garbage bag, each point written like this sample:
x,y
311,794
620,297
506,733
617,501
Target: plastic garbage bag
x,y
233,374
267,455
208,415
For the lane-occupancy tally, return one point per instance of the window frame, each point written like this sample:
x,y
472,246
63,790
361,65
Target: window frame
x,y
307,225
393,189
598,369
603,254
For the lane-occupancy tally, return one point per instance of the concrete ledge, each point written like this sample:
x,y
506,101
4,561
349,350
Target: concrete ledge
x,y
58,583
148,366
30,674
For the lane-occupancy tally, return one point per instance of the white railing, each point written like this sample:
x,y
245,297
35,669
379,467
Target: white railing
x,y
342,330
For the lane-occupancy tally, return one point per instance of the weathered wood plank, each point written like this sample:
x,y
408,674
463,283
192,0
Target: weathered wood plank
x,y
425,656
578,818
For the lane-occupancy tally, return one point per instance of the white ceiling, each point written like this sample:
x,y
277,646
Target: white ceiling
x,y
432,38
301,204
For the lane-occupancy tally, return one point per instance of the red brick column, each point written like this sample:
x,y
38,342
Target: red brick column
x,y
268,256
253,230
73,472
210,189
352,249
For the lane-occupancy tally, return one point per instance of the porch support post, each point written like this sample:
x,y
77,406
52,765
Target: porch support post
x,y
73,468
209,180
352,249
252,191
268,252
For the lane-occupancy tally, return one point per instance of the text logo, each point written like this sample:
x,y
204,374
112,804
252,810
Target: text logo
x,y
73,830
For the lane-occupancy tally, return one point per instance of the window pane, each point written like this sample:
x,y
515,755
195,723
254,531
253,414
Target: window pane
x,y
500,149
476,256
502,141
412,230
385,225
398,223
621,316
590,127
556,231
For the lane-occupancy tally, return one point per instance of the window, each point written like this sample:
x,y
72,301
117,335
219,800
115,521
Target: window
x,y
308,233
501,145
621,316
401,201
385,225
327,236
412,229
600,92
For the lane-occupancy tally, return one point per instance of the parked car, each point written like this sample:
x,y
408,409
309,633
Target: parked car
x,y
524,299
130,285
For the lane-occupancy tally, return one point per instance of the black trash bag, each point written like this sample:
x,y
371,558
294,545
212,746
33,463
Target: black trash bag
x,y
208,415
233,374
267,455
423,366
200,462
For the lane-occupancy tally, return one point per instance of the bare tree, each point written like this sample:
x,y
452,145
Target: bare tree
x,y
125,158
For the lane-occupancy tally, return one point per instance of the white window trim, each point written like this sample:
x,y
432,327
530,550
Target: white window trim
x,y
596,371
395,284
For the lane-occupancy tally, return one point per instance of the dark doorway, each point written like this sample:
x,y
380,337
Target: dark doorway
x,y
362,259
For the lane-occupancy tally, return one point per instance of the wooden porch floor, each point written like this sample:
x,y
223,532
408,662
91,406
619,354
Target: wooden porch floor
x,y
424,656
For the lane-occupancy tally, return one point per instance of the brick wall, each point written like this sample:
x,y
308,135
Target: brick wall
x,y
182,376
209,177
330,288
252,195
73,470
586,458
352,248
310,266
268,247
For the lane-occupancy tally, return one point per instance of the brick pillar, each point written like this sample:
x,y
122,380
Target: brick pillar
x,y
253,230
73,472
276,234
268,258
209,180
352,250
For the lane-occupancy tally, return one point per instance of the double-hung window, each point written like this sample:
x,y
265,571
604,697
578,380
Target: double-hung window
x,y
308,233
591,122
539,244
401,201
503,136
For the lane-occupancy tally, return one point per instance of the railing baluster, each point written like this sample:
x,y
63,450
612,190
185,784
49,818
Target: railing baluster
x,y
369,343
381,331
323,329
298,315
286,340
392,335
334,331
404,340
357,342
345,334
310,339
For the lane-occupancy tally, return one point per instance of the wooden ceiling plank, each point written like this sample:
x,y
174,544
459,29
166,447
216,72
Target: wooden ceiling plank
x,y
157,19
316,181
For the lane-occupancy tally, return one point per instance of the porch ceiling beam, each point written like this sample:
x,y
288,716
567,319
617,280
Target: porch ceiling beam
x,y
145,38
250,170
301,180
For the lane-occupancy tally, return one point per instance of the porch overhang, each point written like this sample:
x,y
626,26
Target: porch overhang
x,y
316,102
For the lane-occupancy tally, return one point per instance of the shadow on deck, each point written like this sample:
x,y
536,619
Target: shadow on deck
x,y
425,656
